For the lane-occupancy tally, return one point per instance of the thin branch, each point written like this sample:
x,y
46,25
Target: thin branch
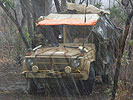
x,y
81,1
131,3
126,3
126,31
13,10
7,12
126,12
16,23
23,13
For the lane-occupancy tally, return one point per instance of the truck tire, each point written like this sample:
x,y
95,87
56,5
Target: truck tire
x,y
90,81
107,79
31,86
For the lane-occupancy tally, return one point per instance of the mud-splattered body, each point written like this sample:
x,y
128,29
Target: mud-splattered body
x,y
52,61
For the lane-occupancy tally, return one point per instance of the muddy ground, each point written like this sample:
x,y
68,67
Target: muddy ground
x,y
12,87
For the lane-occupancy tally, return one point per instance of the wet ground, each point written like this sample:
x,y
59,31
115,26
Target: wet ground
x,y
12,87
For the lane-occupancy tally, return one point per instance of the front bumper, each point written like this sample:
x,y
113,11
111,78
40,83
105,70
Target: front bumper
x,y
52,75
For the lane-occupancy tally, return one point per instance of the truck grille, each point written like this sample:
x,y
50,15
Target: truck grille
x,y
58,64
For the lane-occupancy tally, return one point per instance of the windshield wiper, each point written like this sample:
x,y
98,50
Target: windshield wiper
x,y
71,47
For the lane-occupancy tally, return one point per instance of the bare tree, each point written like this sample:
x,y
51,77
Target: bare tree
x,y
26,11
32,10
122,45
15,21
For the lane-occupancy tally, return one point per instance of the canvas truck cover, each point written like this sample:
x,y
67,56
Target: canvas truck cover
x,y
82,9
69,19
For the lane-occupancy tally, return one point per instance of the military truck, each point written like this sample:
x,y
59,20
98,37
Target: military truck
x,y
82,48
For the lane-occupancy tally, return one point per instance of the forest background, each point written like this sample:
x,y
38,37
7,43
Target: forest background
x,y
18,32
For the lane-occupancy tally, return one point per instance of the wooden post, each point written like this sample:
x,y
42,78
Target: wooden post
x,y
64,33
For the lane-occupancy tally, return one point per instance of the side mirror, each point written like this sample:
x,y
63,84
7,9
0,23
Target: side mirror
x,y
60,36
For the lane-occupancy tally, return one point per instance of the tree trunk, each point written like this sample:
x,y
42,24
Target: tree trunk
x,y
121,50
57,5
38,8
15,21
29,18
130,48
23,13
81,1
63,5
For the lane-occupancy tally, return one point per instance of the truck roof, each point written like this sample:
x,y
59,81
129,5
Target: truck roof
x,y
90,9
69,19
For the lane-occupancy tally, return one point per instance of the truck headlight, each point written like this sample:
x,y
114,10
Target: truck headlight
x,y
76,63
35,69
68,69
30,62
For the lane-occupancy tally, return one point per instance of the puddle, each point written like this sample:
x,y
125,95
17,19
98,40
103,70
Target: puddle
x,y
15,86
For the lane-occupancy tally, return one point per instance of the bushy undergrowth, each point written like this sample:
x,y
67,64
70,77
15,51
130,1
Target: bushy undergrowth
x,y
125,84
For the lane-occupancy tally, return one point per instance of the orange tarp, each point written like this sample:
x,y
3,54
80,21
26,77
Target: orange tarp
x,y
67,22
67,19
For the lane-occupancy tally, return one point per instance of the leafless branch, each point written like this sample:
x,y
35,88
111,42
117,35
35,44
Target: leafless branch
x,y
131,3
13,10
126,12
125,3
81,1
15,21
24,14
120,53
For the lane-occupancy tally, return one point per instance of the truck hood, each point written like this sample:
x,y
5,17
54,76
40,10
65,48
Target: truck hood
x,y
57,51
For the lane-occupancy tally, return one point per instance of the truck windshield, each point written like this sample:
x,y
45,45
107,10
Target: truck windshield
x,y
77,34
74,34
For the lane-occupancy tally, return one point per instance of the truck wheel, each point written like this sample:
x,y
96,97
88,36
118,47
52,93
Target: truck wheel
x,y
107,76
31,86
106,79
90,81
